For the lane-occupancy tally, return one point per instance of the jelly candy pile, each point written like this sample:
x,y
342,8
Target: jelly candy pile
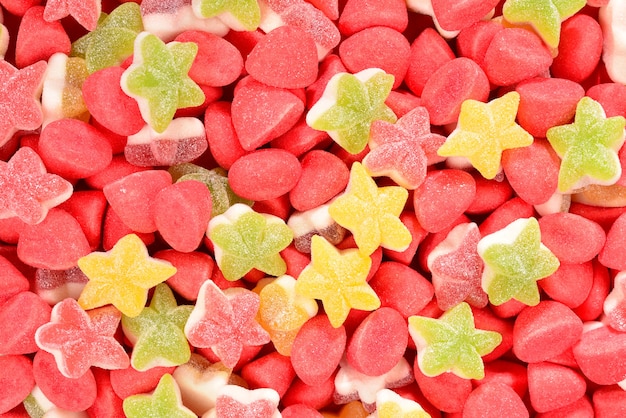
x,y
312,208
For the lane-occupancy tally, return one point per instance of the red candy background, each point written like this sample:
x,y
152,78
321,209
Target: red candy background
x,y
565,357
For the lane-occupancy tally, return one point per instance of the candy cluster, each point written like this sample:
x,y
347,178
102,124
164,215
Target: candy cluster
x,y
320,208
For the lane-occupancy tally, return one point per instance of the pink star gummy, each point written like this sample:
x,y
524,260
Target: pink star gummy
x,y
20,108
27,190
225,322
86,12
79,339
403,150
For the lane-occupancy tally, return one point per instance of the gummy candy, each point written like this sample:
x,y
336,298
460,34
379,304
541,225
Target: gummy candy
x,y
165,401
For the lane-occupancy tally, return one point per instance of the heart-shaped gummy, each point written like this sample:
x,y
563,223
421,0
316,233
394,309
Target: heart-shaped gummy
x,y
286,57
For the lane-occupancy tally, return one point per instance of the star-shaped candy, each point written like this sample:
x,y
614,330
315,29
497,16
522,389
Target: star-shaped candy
x,y
515,259
157,332
372,213
20,108
122,276
86,12
79,339
165,401
27,190
545,16
451,343
349,105
391,405
485,130
158,79
112,41
237,401
225,322
351,384
588,147
338,279
244,239
403,150
239,15
456,268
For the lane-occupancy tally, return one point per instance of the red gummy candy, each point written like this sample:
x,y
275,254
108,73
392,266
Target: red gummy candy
x,y
544,331
455,15
181,214
264,174
580,48
429,51
272,371
450,85
429,202
56,243
286,57
323,177
317,350
362,14
192,269
514,55
132,198
62,390
494,400
74,149
378,343
553,386
16,379
12,281
38,39
447,391
570,284
102,92
377,47
600,353
572,238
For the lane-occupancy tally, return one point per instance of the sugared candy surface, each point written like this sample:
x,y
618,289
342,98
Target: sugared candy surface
x,y
313,208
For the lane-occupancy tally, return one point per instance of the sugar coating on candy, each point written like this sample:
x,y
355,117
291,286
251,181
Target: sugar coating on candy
x,y
236,401
553,386
38,39
484,131
86,12
122,276
451,343
580,48
545,16
349,105
338,279
200,382
19,98
588,147
351,384
17,337
611,19
244,239
403,150
391,405
315,221
285,57
158,79
79,339
157,332
27,190
372,213
164,401
61,96
238,15
456,268
282,312
225,322
614,306
111,42
17,379
182,141
454,16
515,259
425,7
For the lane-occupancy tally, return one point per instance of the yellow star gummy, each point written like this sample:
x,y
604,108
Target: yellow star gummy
x,y
372,213
588,147
391,405
484,130
515,259
545,16
452,343
338,279
122,276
